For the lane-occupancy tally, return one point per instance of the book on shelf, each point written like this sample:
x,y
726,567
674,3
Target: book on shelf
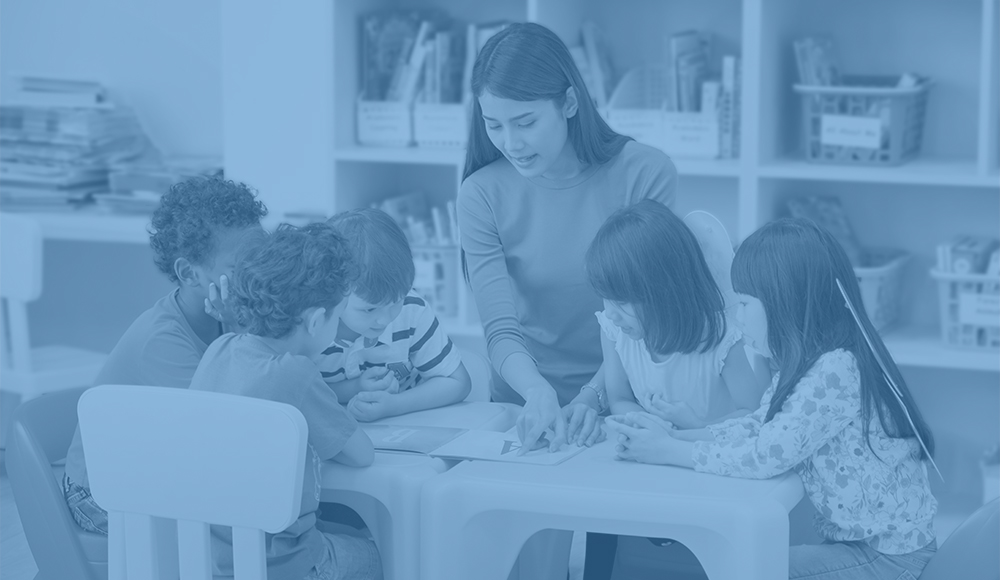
x,y
34,91
815,61
689,53
969,255
406,54
476,37
729,108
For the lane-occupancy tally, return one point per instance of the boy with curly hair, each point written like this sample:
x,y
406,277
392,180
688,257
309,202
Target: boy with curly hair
x,y
390,355
288,293
195,234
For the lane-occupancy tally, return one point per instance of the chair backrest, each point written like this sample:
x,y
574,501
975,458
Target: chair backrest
x,y
196,457
20,283
970,552
40,434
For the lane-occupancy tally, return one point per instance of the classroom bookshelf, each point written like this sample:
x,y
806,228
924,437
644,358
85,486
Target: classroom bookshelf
x,y
302,90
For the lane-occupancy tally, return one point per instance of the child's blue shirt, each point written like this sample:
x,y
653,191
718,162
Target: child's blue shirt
x,y
159,349
243,364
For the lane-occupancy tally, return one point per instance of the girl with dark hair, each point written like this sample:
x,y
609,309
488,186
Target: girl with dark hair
x,y
669,346
846,423
543,171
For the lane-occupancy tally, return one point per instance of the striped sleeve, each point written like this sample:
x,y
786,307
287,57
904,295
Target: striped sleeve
x,y
432,353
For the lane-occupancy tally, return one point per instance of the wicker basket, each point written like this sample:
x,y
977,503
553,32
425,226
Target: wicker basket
x,y
881,281
865,121
970,310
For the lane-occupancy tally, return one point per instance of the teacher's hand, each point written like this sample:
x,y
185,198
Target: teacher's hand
x,y
583,426
540,412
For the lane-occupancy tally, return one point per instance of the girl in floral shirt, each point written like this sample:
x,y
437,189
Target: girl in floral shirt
x,y
829,415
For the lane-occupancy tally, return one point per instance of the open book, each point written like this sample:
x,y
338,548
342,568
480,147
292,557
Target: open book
x,y
497,446
410,439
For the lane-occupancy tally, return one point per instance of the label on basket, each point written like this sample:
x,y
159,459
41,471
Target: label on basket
x,y
849,131
979,309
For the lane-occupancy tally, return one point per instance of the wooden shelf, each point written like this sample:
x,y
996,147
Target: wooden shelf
x,y
917,172
923,347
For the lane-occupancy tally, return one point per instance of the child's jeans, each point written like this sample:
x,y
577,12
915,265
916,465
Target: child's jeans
x,y
349,556
85,511
855,561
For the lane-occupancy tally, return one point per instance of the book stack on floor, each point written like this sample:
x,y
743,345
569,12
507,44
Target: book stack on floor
x,y
57,141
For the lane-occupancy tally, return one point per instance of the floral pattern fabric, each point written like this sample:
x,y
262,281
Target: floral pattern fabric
x,y
879,495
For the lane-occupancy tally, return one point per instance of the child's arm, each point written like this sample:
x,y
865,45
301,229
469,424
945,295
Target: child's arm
x,y
432,393
376,378
621,400
746,387
824,402
358,451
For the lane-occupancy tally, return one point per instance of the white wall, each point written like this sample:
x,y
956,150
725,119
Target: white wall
x,y
162,57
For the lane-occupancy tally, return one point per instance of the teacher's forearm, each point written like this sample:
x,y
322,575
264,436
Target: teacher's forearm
x,y
521,373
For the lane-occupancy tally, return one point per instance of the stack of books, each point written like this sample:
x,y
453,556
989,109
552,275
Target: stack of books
x,y
57,142
136,186
689,65
406,54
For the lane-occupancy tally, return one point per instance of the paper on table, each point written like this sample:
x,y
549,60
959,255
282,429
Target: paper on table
x,y
412,439
494,446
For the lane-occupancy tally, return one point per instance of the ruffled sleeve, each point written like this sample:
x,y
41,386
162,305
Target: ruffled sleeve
x,y
610,330
732,336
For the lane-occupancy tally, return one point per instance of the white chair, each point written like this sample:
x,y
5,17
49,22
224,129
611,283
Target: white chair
x,y
25,371
161,459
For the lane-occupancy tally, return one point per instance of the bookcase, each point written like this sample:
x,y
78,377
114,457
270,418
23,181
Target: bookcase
x,y
290,83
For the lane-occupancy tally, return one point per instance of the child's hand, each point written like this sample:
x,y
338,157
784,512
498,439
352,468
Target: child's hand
x,y
642,438
679,413
217,303
378,379
369,406
583,426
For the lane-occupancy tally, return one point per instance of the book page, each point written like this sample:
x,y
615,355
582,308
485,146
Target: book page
x,y
495,446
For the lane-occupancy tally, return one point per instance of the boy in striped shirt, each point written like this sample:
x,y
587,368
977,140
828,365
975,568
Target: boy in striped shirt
x,y
390,356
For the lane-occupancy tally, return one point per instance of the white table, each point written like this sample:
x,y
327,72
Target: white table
x,y
476,516
387,493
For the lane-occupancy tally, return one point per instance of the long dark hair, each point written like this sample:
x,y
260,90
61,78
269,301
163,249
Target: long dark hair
x,y
792,267
528,62
646,256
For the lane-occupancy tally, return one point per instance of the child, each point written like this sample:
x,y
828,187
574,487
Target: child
x,y
666,333
195,233
830,413
390,356
288,292
666,329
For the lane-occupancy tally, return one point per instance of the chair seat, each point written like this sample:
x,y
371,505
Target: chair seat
x,y
54,368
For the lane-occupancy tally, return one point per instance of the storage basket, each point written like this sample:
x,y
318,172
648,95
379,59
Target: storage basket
x,y
865,121
437,271
444,125
385,123
881,278
970,310
637,108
